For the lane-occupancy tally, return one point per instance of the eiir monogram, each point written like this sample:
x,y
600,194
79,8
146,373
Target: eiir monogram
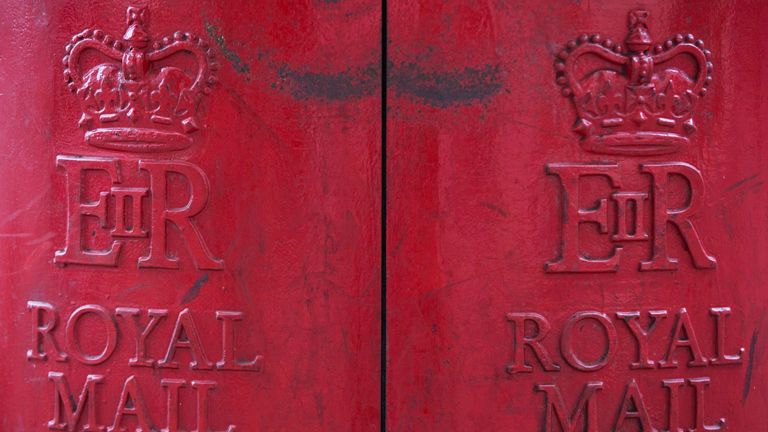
x,y
132,105
635,104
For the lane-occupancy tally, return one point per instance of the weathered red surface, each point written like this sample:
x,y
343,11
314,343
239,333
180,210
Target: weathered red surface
x,y
260,216
494,249
576,232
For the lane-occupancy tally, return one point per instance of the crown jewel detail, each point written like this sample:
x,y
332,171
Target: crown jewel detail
x,y
629,101
133,103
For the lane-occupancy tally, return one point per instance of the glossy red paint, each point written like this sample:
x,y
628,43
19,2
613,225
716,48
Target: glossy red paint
x,y
569,250
190,221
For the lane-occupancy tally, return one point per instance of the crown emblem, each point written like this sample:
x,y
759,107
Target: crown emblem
x,y
631,101
136,102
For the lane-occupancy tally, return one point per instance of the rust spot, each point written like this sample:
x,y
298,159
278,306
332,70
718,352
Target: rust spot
x,y
350,84
443,89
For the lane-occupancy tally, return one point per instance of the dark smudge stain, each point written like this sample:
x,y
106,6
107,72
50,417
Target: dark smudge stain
x,y
350,84
443,89
500,211
237,63
741,182
195,289
750,368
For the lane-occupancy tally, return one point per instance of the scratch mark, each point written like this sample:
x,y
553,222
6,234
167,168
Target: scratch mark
x,y
45,237
750,368
15,235
193,292
13,215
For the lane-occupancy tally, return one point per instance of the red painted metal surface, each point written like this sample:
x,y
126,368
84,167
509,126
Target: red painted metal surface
x,y
190,216
577,224
190,221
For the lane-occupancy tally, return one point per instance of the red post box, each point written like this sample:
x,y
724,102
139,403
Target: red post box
x,y
190,216
577,216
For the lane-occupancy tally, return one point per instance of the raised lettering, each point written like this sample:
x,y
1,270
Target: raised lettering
x,y
172,391
633,407
131,403
520,341
701,384
74,251
228,355
125,227
571,257
582,418
721,358
641,335
202,388
110,341
566,341
625,231
162,215
684,337
141,333
185,335
662,214
674,405
67,412
124,205
45,319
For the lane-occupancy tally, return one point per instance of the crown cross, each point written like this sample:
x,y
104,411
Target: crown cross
x,y
130,103
630,101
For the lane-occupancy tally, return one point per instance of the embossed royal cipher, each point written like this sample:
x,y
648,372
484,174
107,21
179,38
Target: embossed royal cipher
x,y
635,104
134,103
137,102
634,99
632,102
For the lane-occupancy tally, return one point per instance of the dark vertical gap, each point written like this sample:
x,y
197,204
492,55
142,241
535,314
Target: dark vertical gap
x,y
383,346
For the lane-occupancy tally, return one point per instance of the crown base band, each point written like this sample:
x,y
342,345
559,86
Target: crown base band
x,y
634,143
137,140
